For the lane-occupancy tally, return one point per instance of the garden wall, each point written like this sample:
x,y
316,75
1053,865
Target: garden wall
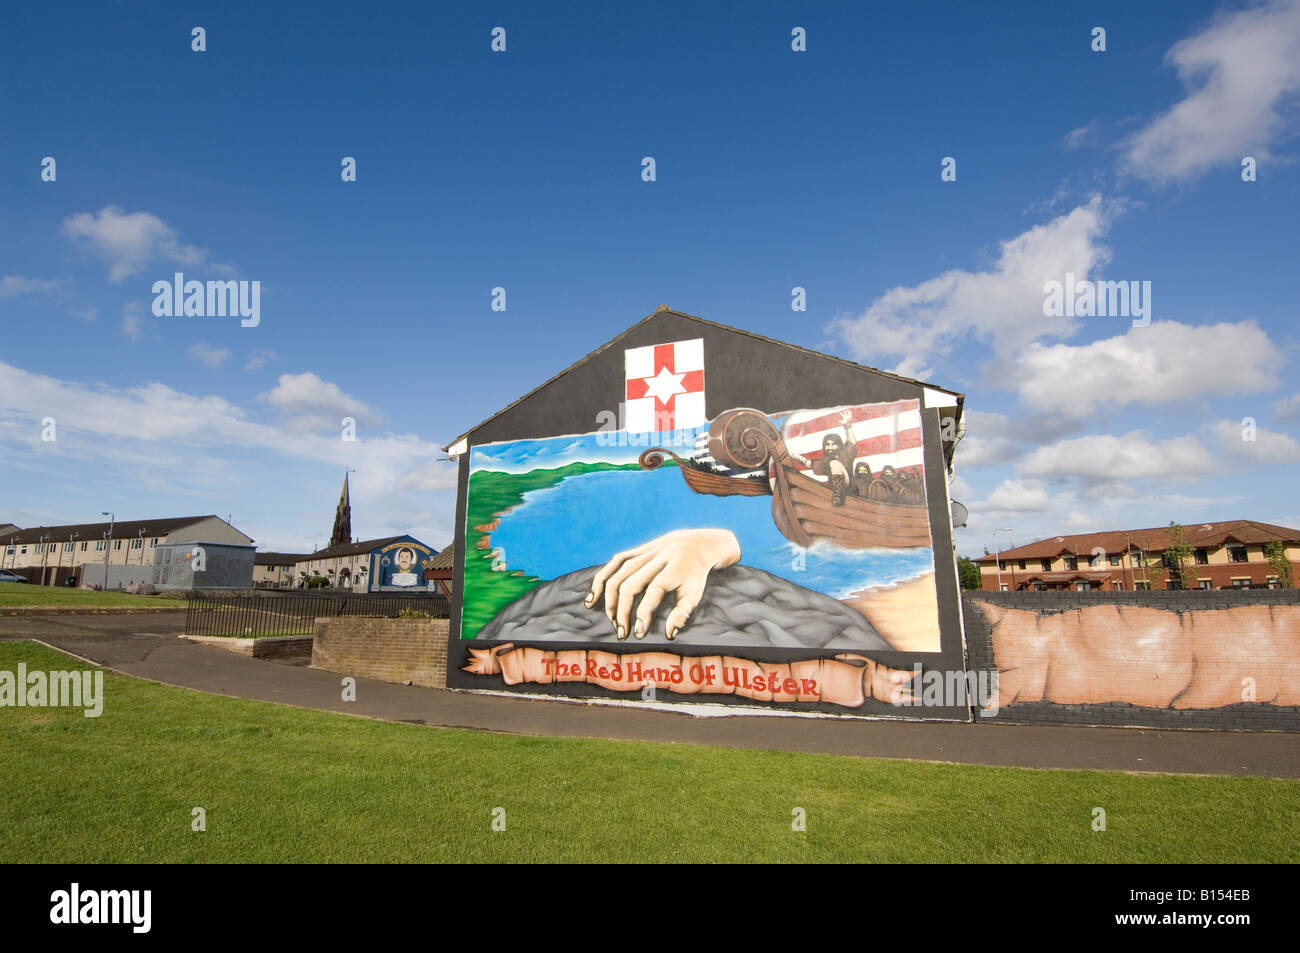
x,y
390,650
1219,659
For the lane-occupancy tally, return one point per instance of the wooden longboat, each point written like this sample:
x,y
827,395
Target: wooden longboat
x,y
802,507
705,481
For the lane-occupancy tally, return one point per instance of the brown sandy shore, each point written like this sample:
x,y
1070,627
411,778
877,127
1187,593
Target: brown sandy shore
x,y
904,613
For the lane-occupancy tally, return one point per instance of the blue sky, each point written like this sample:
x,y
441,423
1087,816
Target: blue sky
x,y
522,170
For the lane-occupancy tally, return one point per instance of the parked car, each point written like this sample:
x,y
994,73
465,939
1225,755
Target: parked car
x,y
7,576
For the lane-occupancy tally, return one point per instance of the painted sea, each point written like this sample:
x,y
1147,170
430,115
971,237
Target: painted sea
x,y
584,520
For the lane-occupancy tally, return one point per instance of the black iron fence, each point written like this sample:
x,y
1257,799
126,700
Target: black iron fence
x,y
247,615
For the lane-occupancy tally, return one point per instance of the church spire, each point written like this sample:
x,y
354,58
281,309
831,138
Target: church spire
x,y
342,518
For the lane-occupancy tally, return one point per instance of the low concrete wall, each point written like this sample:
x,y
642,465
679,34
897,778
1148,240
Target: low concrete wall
x,y
390,650
280,647
1219,659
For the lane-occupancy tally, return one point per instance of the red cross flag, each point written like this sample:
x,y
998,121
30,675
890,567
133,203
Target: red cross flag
x,y
665,386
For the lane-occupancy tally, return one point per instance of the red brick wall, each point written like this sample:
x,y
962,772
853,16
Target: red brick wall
x,y
390,650
1198,659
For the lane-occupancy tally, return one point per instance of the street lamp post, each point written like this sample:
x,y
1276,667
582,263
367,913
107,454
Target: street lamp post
x,y
45,557
108,544
141,535
996,556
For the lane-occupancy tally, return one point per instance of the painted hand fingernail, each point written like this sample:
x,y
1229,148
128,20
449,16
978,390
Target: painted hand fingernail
x,y
590,600
622,633
671,633
639,629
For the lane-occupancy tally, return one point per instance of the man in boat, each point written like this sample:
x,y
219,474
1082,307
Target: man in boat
x,y
836,461
862,478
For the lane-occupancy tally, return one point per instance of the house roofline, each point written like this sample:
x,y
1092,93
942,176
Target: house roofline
x,y
664,309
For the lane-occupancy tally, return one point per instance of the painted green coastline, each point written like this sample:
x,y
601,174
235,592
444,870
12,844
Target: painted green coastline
x,y
493,493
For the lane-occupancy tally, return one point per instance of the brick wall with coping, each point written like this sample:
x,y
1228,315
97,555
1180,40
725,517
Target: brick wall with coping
x,y
1110,666
389,650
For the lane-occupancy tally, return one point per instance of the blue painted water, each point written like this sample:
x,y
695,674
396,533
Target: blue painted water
x,y
584,520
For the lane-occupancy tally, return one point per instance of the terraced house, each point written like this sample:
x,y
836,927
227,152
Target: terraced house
x,y
84,552
1224,555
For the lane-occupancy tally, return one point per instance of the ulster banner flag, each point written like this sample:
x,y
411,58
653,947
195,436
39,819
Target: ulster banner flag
x,y
665,386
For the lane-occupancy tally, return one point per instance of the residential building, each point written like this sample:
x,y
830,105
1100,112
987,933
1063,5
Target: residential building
x,y
1225,555
53,554
275,570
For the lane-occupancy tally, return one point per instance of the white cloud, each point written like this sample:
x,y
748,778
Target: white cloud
x,y
131,321
313,405
1241,73
1163,362
208,354
1016,496
1131,456
11,286
1084,135
1002,306
1287,409
154,440
1257,445
259,358
129,241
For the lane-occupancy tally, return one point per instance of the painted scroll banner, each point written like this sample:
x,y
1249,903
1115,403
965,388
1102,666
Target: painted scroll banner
x,y
846,680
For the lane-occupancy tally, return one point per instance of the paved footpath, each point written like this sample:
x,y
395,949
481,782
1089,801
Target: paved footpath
x,y
146,646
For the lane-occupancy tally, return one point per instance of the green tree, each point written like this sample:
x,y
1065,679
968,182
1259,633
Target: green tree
x,y
1178,557
1275,553
968,573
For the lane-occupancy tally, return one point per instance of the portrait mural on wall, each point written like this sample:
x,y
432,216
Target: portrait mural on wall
x,y
762,528
401,565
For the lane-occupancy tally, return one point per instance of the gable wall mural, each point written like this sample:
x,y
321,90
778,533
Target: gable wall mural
x,y
708,516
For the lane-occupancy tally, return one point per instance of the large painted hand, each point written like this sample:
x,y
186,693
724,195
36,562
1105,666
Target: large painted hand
x,y
678,562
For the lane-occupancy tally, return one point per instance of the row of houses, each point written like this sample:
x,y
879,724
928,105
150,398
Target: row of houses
x,y
116,553
389,563
1224,555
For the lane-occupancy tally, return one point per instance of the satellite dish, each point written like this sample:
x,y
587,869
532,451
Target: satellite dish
x,y
959,514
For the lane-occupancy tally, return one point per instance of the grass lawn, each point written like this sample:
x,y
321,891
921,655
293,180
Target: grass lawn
x,y
281,784
20,594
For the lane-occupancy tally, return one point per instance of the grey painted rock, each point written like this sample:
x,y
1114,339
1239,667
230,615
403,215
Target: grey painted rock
x,y
742,606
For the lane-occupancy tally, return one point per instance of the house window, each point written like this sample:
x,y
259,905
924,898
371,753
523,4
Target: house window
x,y
1139,558
1081,587
101,545
83,546
1202,557
1022,564
1046,564
1119,584
1241,584
9,551
137,543
1205,584
1002,564
40,548
153,542
1237,554
1173,584
1274,582
1041,587
1141,585
117,544
67,547
24,551
1071,563
1114,559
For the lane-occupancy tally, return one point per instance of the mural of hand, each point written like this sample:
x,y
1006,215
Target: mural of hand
x,y
678,562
